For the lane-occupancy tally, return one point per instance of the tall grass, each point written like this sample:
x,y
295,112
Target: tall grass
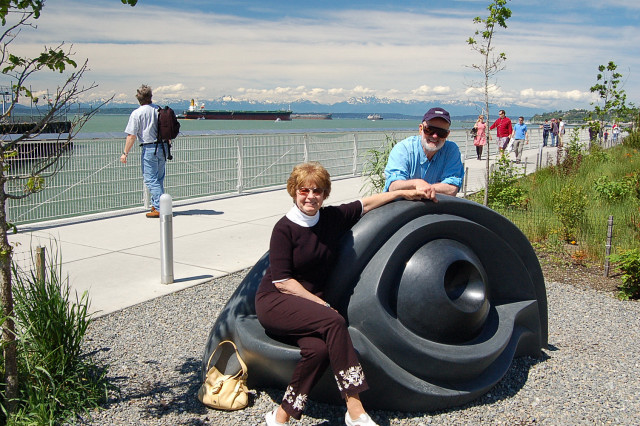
x,y
374,165
57,381
540,221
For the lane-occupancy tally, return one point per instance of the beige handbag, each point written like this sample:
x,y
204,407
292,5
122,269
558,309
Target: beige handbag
x,y
225,391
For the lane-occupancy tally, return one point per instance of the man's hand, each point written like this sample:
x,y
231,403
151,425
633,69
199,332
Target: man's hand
x,y
415,194
422,186
123,158
427,189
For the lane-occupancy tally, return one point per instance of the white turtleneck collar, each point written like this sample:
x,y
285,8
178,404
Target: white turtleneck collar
x,y
296,216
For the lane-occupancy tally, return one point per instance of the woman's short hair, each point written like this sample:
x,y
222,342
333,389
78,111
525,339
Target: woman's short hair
x,y
143,95
309,172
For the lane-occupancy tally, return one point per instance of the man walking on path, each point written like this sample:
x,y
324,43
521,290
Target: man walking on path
x,y
143,125
520,134
503,123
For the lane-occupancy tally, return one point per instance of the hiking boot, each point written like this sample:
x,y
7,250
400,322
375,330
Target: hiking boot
x,y
153,213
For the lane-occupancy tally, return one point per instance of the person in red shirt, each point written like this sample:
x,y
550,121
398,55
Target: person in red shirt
x,y
503,123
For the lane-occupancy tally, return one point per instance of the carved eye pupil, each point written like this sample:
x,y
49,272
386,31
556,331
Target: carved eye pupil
x,y
464,286
447,278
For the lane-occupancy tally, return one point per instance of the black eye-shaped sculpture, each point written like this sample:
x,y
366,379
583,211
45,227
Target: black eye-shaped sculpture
x,y
439,297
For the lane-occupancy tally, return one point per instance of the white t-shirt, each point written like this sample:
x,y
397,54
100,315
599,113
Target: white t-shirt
x,y
143,122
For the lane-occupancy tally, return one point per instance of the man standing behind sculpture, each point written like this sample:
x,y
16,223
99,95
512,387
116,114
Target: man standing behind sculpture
x,y
503,123
143,125
521,136
427,162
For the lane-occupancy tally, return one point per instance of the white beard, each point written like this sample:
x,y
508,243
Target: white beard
x,y
428,148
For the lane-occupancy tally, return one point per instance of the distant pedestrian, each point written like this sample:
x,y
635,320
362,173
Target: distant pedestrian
x,y
546,129
560,132
143,126
555,129
480,140
615,131
521,136
606,135
504,129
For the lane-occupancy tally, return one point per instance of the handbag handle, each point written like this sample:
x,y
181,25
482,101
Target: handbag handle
x,y
235,348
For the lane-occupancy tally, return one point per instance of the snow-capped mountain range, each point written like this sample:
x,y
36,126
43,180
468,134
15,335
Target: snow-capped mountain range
x,y
389,108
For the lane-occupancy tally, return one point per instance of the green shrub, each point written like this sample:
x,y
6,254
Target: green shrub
x,y
634,179
56,380
628,262
572,160
504,188
374,164
632,140
598,154
569,204
612,191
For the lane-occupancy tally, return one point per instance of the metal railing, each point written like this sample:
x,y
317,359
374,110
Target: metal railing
x,y
93,181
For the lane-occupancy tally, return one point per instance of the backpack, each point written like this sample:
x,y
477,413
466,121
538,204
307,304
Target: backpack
x,y
168,124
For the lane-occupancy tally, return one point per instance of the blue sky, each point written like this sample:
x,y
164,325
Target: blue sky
x,y
332,50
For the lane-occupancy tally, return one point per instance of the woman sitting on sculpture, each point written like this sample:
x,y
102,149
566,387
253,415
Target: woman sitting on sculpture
x,y
289,302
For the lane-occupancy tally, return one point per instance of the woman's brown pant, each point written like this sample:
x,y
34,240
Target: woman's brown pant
x,y
323,338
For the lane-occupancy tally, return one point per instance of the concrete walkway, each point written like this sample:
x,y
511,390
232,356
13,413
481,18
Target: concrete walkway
x,y
117,259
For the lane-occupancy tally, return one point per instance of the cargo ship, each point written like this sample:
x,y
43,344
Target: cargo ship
x,y
312,116
200,113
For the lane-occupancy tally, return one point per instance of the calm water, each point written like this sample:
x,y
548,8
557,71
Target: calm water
x,y
117,123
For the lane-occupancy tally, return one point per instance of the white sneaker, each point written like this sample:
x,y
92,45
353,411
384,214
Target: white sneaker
x,y
270,418
363,420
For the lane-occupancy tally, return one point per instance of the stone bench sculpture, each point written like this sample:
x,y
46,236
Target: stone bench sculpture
x,y
439,298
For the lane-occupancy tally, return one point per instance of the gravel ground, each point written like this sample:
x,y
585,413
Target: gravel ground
x,y
589,374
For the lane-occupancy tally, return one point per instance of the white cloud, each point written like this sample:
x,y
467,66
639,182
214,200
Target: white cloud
x,y
335,55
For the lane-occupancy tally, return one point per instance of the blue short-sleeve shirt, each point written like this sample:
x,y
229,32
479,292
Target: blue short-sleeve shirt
x,y
407,160
520,130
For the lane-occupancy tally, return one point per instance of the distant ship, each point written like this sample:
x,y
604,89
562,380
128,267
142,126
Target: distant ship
x,y
312,116
199,113
374,117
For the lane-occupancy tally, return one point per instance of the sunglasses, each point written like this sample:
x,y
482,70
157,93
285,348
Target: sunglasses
x,y
305,191
439,131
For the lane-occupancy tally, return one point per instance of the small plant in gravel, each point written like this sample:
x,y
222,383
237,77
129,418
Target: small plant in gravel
x,y
57,381
628,262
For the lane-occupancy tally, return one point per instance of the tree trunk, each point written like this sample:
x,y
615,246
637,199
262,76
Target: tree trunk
x,y
8,328
485,200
